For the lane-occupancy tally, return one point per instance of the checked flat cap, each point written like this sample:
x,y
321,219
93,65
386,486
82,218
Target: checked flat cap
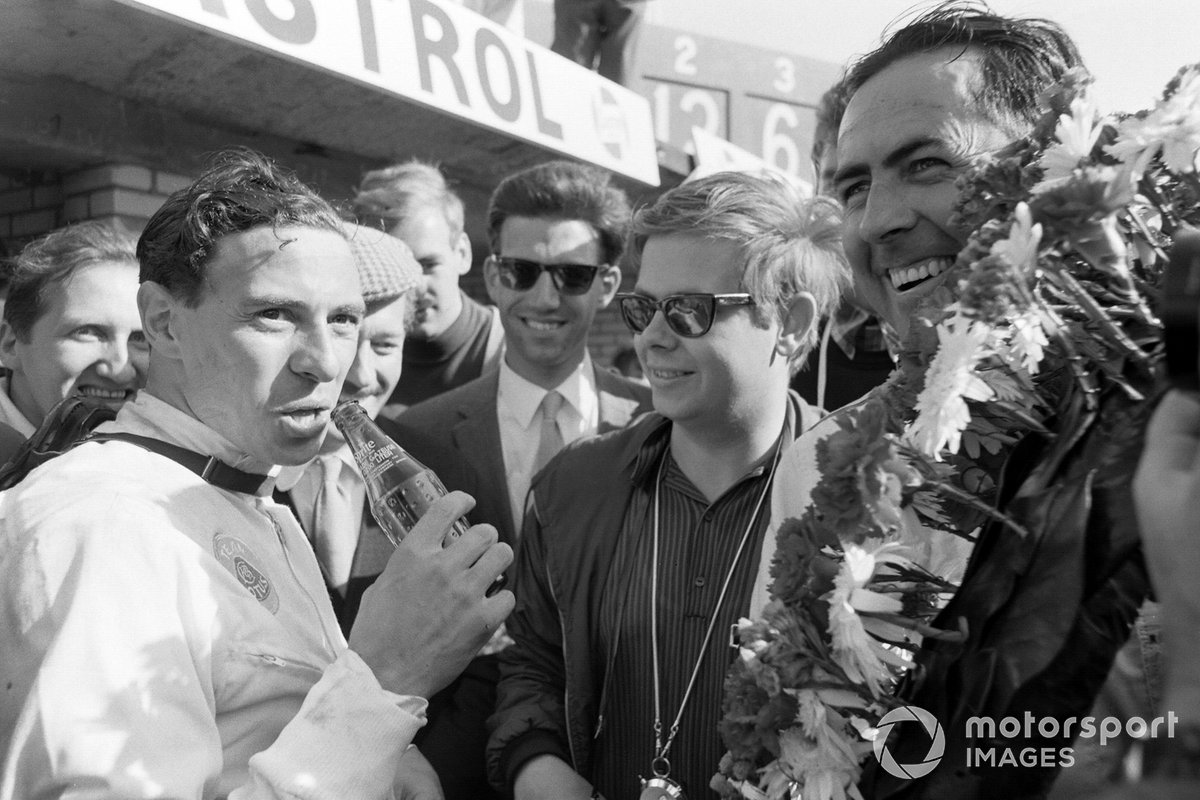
x,y
386,267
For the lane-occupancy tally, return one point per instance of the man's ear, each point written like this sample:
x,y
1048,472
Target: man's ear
x,y
159,309
491,278
796,325
610,282
8,347
462,250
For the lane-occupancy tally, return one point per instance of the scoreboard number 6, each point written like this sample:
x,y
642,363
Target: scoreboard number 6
x,y
778,145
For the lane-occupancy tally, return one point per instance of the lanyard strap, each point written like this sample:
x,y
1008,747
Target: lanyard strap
x,y
660,764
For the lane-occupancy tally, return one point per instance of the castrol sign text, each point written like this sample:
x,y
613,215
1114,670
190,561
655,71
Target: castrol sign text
x,y
445,57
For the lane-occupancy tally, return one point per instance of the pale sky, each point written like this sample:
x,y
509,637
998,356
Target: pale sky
x,y
1133,47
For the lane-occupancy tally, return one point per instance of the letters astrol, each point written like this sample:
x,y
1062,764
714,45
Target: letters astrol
x,y
445,57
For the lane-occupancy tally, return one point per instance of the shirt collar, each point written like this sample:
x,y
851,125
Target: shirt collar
x,y
521,398
651,447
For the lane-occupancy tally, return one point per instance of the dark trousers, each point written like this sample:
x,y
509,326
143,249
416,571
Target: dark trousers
x,y
599,34
454,738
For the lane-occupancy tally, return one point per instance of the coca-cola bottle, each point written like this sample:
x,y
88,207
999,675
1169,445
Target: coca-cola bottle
x,y
400,488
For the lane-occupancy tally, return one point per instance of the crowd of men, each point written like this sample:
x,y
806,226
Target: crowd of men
x,y
195,600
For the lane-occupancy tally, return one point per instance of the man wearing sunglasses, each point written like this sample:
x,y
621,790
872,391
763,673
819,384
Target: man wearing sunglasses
x,y
556,232
640,547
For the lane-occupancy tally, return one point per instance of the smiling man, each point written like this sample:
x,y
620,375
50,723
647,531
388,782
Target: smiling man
x,y
166,630
956,84
949,88
952,87
906,136
71,324
557,232
639,547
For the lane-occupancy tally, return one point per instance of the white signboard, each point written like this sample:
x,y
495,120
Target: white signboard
x,y
446,57
714,154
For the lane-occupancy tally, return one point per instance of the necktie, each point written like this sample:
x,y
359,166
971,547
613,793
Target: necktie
x,y
336,531
551,440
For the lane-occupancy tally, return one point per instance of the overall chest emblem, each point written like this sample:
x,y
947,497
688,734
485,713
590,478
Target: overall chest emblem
x,y
237,557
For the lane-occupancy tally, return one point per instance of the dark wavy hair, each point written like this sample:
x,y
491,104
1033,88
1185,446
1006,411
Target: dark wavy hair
x,y
239,190
50,261
563,190
1019,57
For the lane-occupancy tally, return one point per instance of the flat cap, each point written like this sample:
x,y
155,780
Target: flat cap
x,y
386,267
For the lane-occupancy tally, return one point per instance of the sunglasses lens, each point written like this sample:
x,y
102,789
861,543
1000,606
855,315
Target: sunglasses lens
x,y
690,315
637,312
574,278
518,274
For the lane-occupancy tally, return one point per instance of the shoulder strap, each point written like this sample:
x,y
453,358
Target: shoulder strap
x,y
210,468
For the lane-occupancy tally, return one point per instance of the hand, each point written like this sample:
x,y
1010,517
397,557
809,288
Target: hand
x,y
426,615
415,778
550,778
1166,494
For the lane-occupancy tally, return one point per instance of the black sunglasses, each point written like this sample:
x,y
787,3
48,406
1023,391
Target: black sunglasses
x,y
689,315
521,274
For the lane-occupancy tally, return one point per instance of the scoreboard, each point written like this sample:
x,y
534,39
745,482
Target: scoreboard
x,y
760,100
763,101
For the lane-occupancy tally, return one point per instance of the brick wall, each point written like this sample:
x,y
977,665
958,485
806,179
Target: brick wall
x,y
29,207
124,194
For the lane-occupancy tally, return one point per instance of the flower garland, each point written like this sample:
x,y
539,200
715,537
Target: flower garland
x,y
1069,234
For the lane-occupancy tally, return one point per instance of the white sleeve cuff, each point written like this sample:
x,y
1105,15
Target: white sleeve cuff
x,y
347,738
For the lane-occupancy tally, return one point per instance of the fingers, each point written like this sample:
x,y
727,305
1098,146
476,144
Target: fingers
x,y
465,550
497,608
1173,436
490,564
431,529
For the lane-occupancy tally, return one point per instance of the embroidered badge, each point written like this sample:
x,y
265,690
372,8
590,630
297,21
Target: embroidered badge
x,y
240,560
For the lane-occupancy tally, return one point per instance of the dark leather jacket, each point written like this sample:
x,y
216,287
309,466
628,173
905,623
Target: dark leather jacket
x,y
552,680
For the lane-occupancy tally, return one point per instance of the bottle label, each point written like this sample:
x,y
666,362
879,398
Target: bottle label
x,y
375,458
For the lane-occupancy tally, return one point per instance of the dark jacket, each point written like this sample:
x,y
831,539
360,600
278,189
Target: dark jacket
x,y
457,435
570,557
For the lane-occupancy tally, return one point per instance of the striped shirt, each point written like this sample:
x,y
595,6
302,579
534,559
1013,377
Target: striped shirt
x,y
697,544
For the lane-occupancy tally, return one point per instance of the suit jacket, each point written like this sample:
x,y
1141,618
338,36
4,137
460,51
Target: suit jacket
x,y
370,557
457,435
